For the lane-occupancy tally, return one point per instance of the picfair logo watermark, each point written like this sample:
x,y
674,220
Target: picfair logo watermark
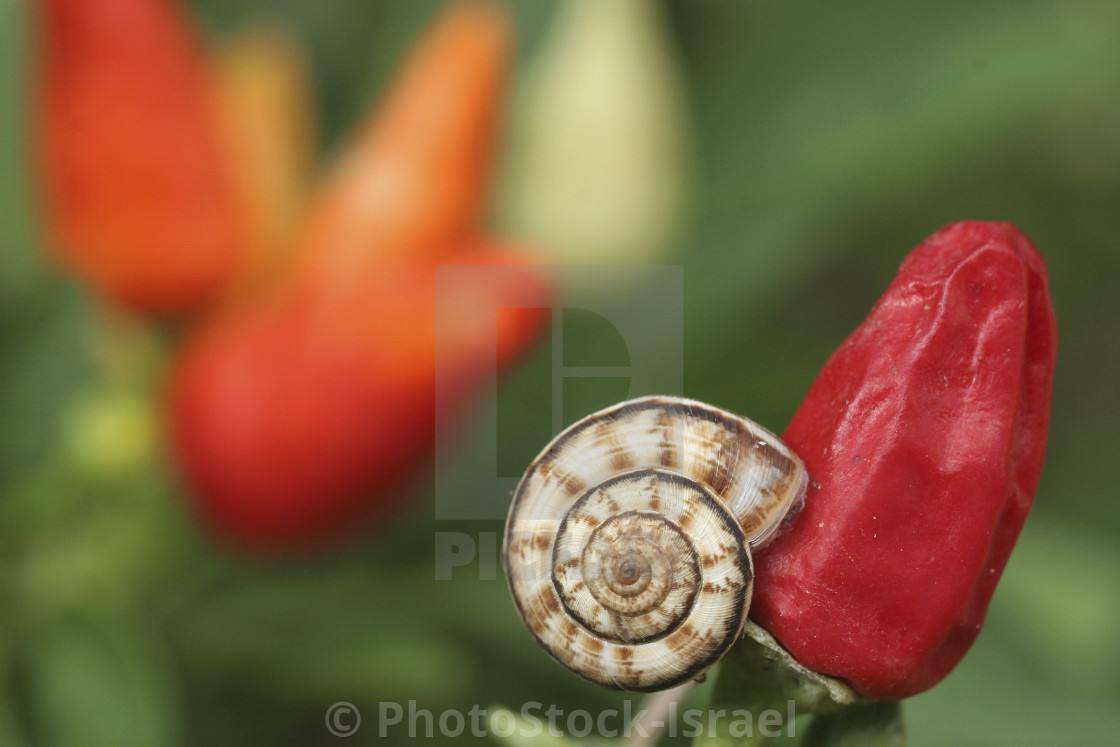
x,y
643,303
644,308
477,553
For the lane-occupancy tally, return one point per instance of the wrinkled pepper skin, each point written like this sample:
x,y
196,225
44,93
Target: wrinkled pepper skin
x,y
138,184
924,438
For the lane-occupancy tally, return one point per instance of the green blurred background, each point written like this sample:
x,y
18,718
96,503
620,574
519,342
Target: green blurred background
x,y
824,142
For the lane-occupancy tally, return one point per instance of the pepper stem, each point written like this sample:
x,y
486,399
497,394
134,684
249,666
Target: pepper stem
x,y
761,689
874,724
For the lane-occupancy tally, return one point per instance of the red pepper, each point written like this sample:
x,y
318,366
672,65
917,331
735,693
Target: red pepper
x,y
296,421
138,184
924,438
299,413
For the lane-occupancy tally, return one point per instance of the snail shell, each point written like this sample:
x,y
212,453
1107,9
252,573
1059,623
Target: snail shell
x,y
627,548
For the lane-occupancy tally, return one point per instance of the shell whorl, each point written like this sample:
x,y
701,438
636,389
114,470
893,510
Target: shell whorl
x,y
627,545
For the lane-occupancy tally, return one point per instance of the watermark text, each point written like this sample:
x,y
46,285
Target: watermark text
x,y
535,719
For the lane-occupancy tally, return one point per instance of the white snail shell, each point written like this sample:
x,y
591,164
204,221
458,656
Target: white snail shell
x,y
627,548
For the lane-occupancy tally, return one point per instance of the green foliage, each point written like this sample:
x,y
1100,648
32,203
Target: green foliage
x,y
830,140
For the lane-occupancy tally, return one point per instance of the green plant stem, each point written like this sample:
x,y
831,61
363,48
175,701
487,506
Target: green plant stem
x,y
876,724
761,689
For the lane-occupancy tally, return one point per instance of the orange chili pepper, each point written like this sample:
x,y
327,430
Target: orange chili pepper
x,y
138,189
411,184
262,89
298,413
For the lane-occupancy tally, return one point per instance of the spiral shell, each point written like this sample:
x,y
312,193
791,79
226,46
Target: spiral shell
x,y
627,548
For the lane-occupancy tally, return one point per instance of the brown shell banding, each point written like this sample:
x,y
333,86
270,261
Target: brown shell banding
x,y
644,579
658,601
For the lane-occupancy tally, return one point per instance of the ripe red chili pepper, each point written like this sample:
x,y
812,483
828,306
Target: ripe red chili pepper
x,y
296,420
138,185
924,437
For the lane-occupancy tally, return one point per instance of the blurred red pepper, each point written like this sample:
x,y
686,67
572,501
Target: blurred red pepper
x,y
924,436
138,186
297,413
